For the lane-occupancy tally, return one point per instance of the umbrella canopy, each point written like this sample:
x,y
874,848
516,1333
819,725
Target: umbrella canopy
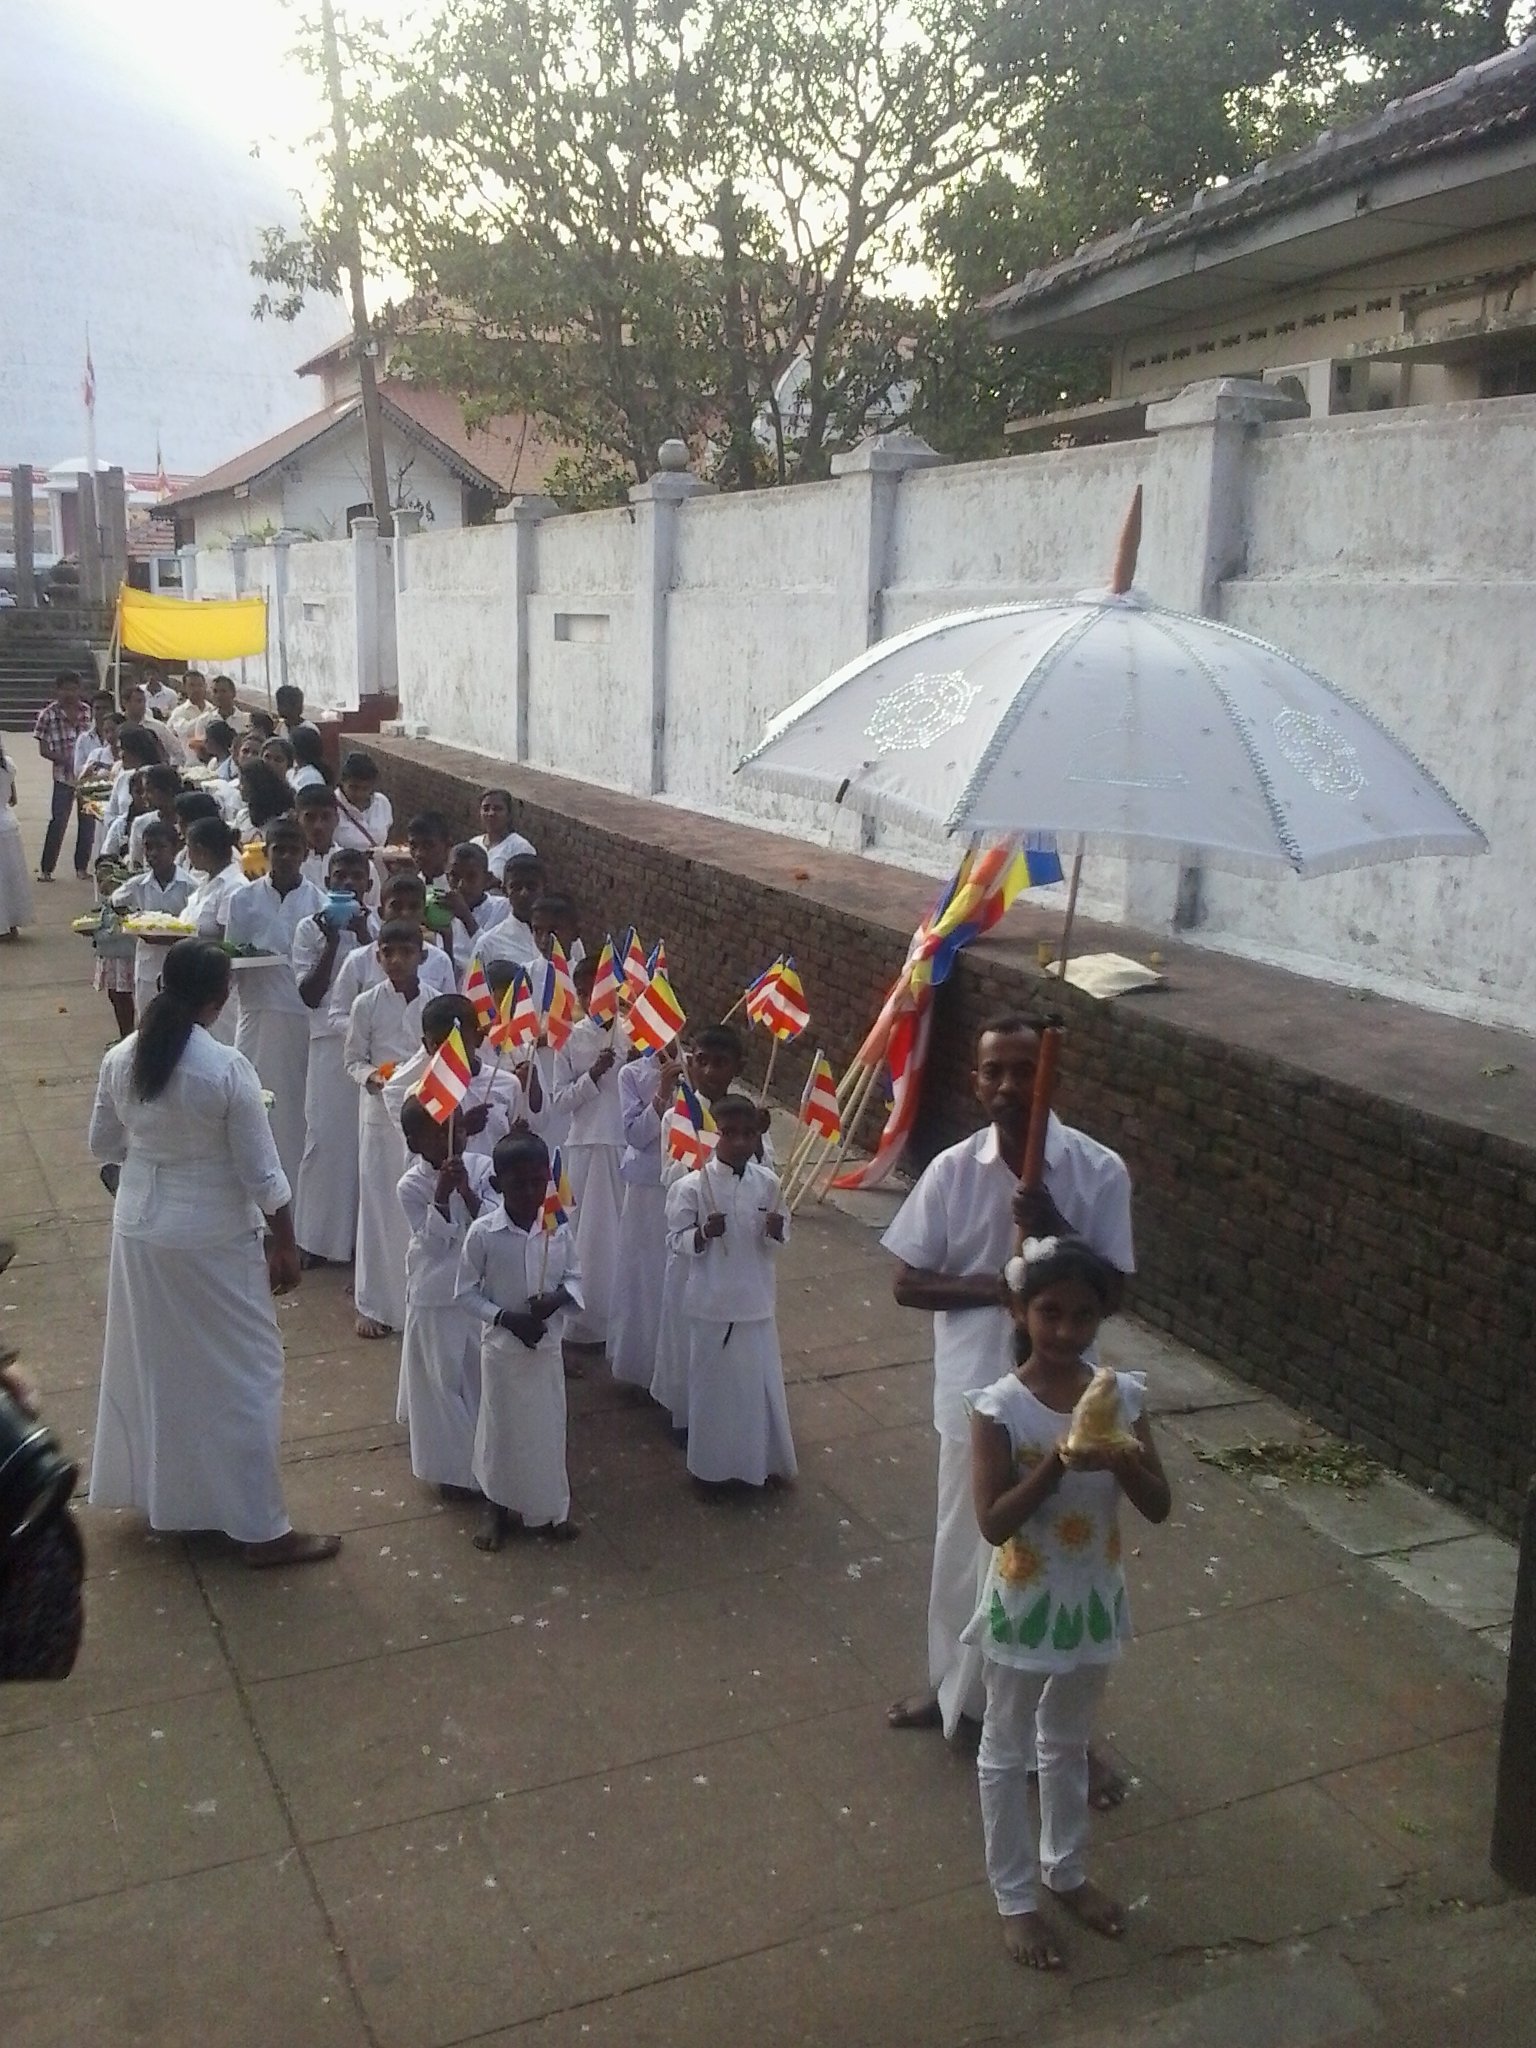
x,y
1112,722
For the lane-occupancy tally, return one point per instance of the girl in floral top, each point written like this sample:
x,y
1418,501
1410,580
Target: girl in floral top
x,y
1052,1615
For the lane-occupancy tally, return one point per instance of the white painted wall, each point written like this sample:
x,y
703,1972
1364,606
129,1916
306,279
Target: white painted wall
x,y
1392,550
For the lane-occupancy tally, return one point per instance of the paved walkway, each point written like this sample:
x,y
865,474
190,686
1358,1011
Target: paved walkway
x,y
639,1791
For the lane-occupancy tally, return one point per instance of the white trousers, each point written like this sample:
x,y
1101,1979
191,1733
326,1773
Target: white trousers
x,y
1052,1713
959,1559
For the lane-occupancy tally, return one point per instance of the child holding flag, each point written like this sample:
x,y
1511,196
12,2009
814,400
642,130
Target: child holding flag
x,y
492,1102
442,1192
383,1031
519,1276
726,1225
713,1069
586,1089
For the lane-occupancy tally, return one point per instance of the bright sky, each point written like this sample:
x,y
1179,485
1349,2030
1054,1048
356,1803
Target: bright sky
x,y
228,61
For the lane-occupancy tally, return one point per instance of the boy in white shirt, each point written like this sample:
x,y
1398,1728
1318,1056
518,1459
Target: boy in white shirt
x,y
476,910
586,1089
442,1192
496,834
404,898
383,1031
520,1280
315,808
726,1223
523,879
325,1200
162,886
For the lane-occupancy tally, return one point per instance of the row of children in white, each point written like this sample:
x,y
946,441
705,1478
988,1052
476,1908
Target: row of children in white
x,y
340,1010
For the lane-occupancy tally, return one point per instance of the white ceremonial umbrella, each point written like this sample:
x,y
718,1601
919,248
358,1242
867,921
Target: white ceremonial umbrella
x,y
1112,722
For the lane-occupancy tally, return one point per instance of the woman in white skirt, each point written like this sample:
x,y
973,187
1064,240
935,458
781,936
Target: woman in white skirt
x,y
520,1281
15,888
325,1201
190,1414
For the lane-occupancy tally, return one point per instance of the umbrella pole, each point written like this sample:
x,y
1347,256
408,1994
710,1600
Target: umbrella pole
x,y
1067,922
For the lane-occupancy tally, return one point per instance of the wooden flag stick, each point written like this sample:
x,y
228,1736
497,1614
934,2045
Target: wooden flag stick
x,y
809,1137
773,1053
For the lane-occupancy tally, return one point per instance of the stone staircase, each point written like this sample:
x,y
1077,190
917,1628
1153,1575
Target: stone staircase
x,y
35,645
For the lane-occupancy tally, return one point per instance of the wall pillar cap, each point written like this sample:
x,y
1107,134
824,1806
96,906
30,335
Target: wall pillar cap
x,y
885,454
527,508
1236,401
670,487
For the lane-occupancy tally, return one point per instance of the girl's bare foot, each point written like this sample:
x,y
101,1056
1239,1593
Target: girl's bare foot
x,y
1028,1940
367,1328
294,1548
1095,1909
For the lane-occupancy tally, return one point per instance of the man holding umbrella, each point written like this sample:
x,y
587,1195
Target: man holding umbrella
x,y
953,1236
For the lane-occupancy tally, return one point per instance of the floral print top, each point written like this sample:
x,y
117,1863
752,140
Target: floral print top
x,y
1054,1595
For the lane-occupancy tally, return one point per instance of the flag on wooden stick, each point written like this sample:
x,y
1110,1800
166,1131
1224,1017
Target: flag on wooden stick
x,y
558,1202
782,1006
758,991
656,1016
446,1082
818,1105
478,991
690,1132
603,1002
636,977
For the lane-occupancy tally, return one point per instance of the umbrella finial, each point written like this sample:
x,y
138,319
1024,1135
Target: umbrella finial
x,y
1125,554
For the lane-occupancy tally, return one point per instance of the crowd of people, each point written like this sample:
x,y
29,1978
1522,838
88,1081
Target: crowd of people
x,y
276,1102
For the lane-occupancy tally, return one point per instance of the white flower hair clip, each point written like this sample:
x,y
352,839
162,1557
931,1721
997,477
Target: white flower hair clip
x,y
1033,1249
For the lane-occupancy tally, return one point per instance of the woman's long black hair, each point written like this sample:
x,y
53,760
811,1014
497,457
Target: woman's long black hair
x,y
267,795
195,973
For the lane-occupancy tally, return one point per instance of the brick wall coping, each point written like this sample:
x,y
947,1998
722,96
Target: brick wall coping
x,y
1417,1059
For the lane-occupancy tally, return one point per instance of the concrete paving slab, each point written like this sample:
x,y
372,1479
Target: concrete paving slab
x,y
239,1956
1235,1425
1388,1515
1433,1804
886,1479
1472,1579
672,1544
1289,2001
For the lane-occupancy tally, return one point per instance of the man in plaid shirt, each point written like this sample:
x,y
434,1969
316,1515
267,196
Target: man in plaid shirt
x,y
58,726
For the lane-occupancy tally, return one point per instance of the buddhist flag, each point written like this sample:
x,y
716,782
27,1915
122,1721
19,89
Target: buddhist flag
x,y
554,999
656,1017
657,964
782,1004
558,1203
443,1086
690,1129
636,978
603,1003
757,993
478,990
818,1105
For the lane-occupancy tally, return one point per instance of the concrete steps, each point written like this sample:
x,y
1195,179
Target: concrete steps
x,y
35,645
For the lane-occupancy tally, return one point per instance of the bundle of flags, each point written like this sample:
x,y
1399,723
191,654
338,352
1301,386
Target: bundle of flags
x,y
982,888
776,1000
517,1023
603,1002
690,1132
446,1082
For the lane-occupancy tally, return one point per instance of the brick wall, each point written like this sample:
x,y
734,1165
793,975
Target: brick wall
x,y
1346,1247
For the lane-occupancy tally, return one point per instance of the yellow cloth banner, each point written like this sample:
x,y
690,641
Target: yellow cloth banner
x,y
191,629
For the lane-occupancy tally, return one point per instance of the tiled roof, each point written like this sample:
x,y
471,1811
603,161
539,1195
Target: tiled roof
x,y
1479,105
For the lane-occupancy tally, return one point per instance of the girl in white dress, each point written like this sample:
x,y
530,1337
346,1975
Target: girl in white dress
x,y
1052,1615
216,875
646,1088
15,888
190,1414
520,1281
727,1224
586,1089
